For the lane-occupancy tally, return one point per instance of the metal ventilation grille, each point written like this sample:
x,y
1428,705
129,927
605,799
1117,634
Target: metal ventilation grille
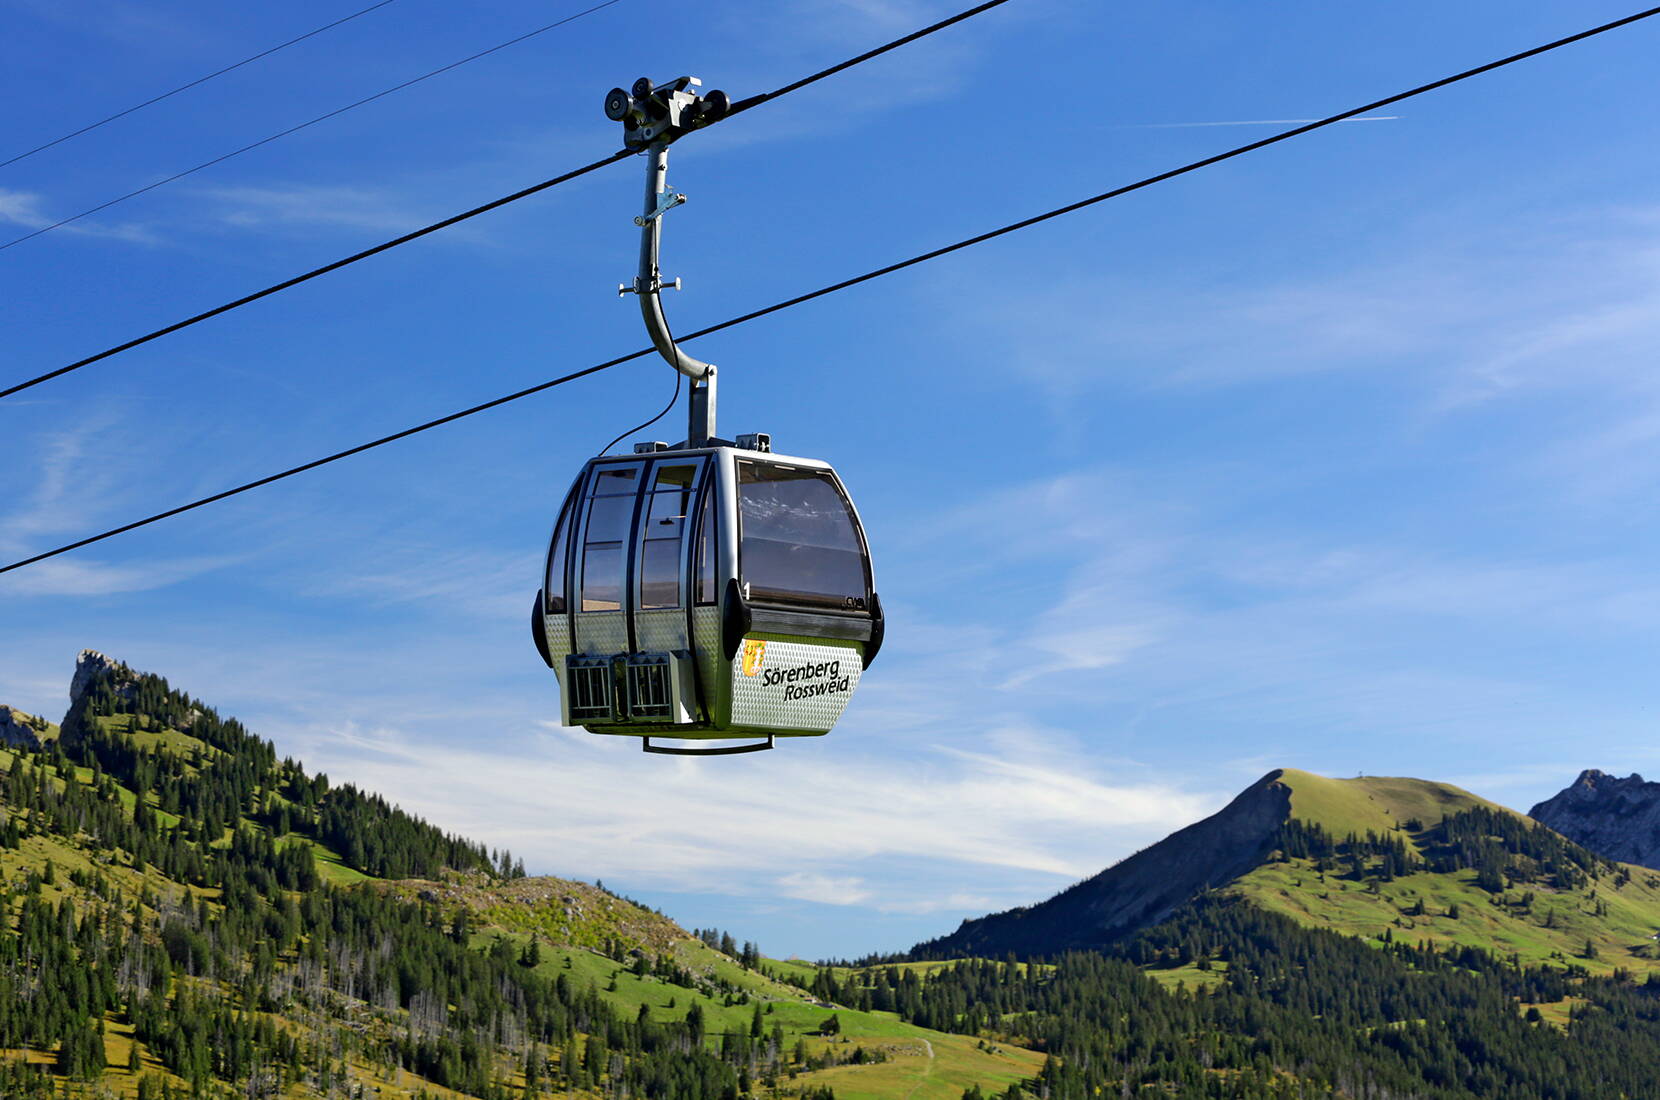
x,y
590,691
649,693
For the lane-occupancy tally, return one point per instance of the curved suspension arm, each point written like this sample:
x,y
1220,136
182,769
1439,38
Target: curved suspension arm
x,y
649,284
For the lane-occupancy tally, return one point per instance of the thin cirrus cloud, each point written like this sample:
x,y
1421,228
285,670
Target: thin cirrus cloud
x,y
824,889
60,577
1169,623
278,206
1471,311
23,208
685,825
70,482
61,480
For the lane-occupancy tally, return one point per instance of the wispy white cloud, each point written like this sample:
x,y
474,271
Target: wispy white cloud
x,y
800,820
1159,621
1468,312
81,577
473,581
953,903
825,889
784,40
24,209
63,481
345,206
134,25
68,483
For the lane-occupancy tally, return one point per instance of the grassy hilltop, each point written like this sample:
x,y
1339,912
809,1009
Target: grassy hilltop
x,y
1604,921
242,903
184,914
1379,858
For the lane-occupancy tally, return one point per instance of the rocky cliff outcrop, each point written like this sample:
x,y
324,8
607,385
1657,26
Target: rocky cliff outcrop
x,y
1613,817
19,729
90,666
93,668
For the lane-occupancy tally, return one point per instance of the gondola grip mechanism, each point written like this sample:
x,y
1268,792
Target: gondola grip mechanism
x,y
653,116
666,201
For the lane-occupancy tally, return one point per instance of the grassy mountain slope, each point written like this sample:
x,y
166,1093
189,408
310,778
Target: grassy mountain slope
x,y
184,914
1375,803
1365,857
1137,892
209,920
1616,913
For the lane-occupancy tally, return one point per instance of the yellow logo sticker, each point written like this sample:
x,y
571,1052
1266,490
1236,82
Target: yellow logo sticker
x,y
755,652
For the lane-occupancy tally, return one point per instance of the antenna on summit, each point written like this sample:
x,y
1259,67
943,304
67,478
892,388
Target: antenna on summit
x,y
654,116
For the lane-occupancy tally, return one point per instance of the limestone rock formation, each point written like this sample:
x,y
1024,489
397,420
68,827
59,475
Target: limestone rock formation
x,y
1613,817
19,729
89,666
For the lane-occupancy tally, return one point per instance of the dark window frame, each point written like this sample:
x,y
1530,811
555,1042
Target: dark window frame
x,y
648,493
630,533
829,475
564,531
708,513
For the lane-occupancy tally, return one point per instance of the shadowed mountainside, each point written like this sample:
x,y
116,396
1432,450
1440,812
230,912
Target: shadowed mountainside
x,y
1138,892
1616,818
1367,857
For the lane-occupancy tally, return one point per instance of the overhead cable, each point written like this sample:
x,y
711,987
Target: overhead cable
x,y
744,105
199,80
842,285
296,129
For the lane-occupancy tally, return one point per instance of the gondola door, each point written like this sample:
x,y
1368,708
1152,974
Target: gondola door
x,y
632,660
600,569
659,588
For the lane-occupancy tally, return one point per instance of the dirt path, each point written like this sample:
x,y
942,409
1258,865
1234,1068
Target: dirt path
x,y
925,1073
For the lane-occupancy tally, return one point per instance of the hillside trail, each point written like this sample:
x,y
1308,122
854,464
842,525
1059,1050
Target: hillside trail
x,y
925,1073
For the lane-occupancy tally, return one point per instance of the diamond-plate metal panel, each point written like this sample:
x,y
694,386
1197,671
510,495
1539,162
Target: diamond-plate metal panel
x,y
660,631
558,647
713,671
559,639
601,633
787,683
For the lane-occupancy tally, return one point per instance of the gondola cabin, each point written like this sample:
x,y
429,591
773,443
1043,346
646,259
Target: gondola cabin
x,y
709,592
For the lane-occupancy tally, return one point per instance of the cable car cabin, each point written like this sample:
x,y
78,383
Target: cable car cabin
x,y
711,592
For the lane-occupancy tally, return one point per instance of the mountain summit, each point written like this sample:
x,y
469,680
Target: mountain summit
x,y
1617,818
1372,857
188,914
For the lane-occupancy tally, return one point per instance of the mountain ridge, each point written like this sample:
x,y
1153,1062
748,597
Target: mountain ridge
x,y
194,916
1372,856
1618,818
1138,890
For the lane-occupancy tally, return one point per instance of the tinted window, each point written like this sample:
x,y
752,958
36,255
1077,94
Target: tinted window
x,y
665,527
799,542
707,564
555,586
610,513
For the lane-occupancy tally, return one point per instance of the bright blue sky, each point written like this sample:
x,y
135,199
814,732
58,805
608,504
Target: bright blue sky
x,y
1340,456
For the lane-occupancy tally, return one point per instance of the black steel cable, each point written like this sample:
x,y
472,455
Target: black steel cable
x,y
199,80
336,457
678,378
296,129
844,284
316,271
669,333
474,212
756,100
